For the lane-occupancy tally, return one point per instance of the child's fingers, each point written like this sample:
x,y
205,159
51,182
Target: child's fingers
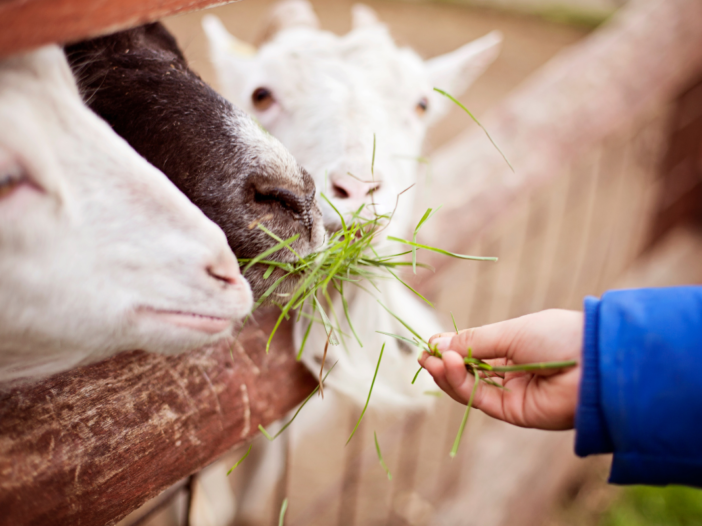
x,y
488,341
456,374
435,367
487,398
550,335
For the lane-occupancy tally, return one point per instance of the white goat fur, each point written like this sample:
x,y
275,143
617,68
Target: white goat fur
x,y
332,95
99,252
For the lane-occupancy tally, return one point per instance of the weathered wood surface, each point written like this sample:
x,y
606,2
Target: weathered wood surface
x,y
644,56
88,446
26,24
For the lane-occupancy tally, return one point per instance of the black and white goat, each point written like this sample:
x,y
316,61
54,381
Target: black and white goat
x,y
239,175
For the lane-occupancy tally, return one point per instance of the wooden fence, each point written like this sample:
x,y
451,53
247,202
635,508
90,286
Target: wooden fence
x,y
587,136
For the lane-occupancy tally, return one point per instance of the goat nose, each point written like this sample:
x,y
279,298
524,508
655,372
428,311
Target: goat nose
x,y
225,268
299,204
350,187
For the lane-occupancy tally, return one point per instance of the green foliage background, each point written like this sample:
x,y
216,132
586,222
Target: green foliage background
x,y
651,506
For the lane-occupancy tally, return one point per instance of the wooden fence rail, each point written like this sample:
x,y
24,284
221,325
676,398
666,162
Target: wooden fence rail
x,y
88,446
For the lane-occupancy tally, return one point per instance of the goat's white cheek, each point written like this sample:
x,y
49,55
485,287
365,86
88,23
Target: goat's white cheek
x,y
28,218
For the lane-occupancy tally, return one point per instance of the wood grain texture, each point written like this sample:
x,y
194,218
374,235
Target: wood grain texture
x,y
27,24
88,446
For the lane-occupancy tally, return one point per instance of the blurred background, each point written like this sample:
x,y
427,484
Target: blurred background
x,y
598,104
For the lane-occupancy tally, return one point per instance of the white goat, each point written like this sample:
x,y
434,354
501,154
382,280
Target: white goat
x,y
328,98
99,252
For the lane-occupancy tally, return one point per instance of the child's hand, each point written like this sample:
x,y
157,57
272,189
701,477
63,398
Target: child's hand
x,y
542,399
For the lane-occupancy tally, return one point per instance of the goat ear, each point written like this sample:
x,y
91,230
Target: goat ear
x,y
288,14
363,16
454,72
222,41
230,57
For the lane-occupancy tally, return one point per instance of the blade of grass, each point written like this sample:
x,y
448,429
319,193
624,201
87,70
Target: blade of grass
x,y
380,456
283,509
327,323
240,460
441,251
279,240
398,337
292,303
343,222
369,395
416,375
442,92
345,304
455,327
268,252
427,215
321,367
307,333
342,334
271,290
404,324
462,428
409,287
304,402
533,366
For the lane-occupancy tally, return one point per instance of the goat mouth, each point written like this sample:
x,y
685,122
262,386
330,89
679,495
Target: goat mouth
x,y
189,320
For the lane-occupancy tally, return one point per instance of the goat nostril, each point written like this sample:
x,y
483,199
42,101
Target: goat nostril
x,y
373,188
339,192
300,206
226,271
283,197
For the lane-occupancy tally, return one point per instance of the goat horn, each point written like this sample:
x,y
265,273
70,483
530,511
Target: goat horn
x,y
287,14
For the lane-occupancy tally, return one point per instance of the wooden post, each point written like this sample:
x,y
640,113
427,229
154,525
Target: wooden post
x,y
88,446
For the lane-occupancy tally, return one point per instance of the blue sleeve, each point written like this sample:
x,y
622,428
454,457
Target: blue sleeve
x,y
641,389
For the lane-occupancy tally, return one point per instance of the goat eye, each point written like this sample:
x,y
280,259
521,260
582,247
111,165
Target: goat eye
x,y
262,99
422,106
10,179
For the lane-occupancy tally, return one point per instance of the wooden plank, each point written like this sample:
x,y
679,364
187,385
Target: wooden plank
x,y
27,24
97,442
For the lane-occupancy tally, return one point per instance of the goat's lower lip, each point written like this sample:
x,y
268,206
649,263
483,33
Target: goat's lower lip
x,y
198,322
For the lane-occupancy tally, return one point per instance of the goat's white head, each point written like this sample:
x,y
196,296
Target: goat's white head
x,y
99,252
326,97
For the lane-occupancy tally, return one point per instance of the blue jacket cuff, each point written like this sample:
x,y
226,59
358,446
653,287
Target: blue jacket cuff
x,y
591,434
